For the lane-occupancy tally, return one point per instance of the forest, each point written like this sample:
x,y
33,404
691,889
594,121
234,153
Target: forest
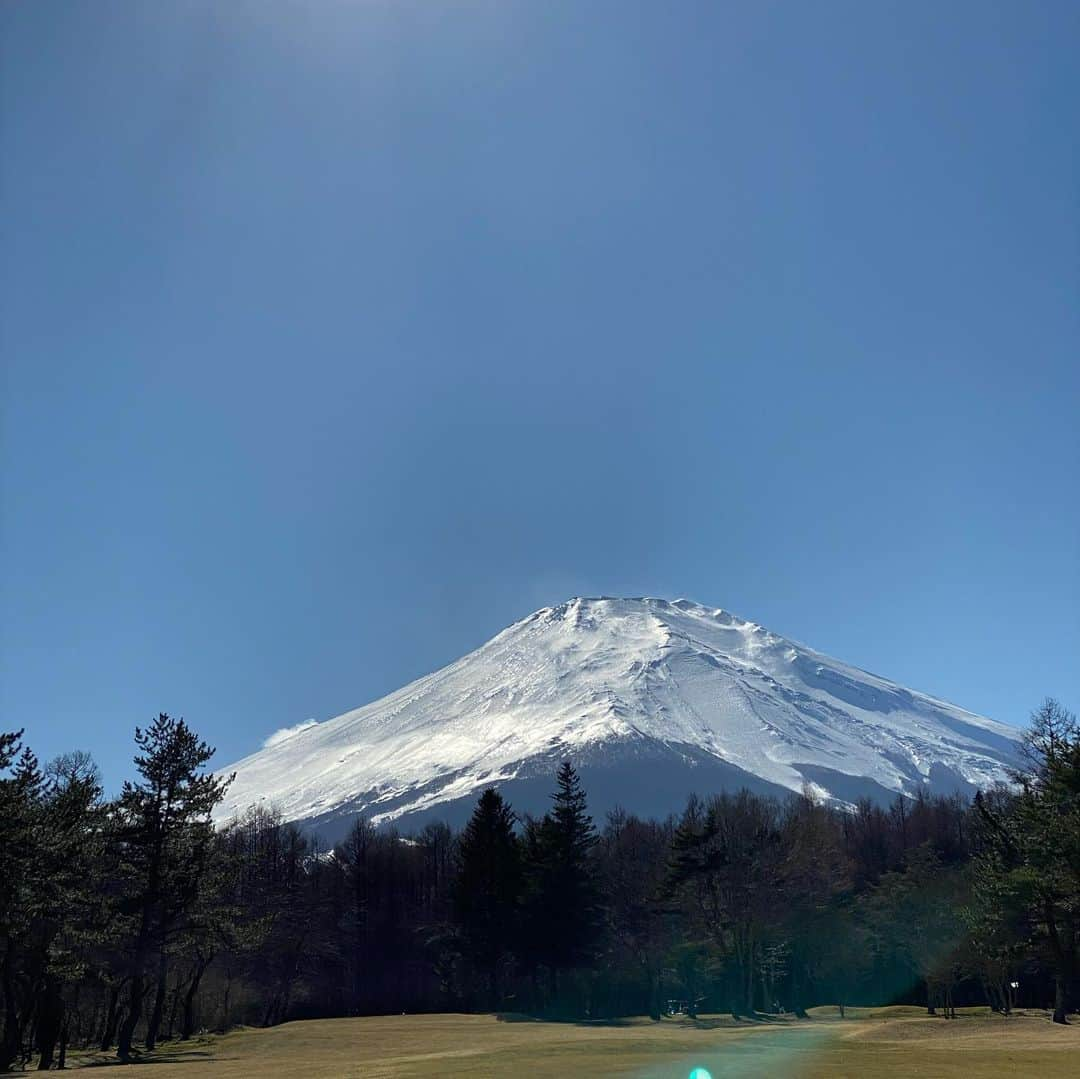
x,y
129,921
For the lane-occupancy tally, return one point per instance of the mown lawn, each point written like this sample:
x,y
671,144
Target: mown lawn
x,y
866,1045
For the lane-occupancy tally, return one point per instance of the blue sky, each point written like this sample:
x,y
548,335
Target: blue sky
x,y
337,336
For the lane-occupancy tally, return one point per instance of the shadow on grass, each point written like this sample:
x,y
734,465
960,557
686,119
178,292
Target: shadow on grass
x,y
757,1019
724,1022
522,1017
175,1056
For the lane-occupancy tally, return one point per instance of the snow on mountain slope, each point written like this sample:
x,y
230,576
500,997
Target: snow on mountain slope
x,y
638,687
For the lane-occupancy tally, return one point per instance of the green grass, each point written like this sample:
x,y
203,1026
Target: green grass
x,y
873,1043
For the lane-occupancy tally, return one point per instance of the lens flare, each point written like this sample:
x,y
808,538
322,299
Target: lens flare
x,y
701,1073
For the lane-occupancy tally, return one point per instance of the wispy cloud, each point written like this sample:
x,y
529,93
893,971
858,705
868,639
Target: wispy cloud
x,y
286,733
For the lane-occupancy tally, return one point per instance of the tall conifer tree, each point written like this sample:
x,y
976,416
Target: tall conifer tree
x,y
165,831
487,891
564,910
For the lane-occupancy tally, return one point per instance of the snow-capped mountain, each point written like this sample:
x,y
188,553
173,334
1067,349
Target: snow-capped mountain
x,y
651,699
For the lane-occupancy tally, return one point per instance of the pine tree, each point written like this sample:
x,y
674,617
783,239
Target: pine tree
x,y
1035,843
487,890
564,914
20,883
164,834
997,913
69,910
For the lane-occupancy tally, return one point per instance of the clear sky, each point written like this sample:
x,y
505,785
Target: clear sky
x,y
337,336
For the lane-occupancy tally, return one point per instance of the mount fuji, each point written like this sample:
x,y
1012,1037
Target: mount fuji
x,y
650,699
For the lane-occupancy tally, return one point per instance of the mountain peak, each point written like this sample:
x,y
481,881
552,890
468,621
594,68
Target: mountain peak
x,y
692,697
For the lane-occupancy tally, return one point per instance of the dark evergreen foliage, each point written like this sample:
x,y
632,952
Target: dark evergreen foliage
x,y
129,921
487,891
164,840
1030,858
562,909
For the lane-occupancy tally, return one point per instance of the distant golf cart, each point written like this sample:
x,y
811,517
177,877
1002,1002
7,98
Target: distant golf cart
x,y
685,1007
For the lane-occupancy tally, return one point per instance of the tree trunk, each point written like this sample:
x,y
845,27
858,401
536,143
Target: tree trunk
x,y
51,1019
1059,997
143,941
112,1018
26,1045
134,1014
187,1021
9,1047
654,995
797,1005
188,1027
174,1006
271,1005
154,1025
1061,964
225,1000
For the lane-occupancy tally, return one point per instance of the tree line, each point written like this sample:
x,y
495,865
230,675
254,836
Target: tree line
x,y
131,920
